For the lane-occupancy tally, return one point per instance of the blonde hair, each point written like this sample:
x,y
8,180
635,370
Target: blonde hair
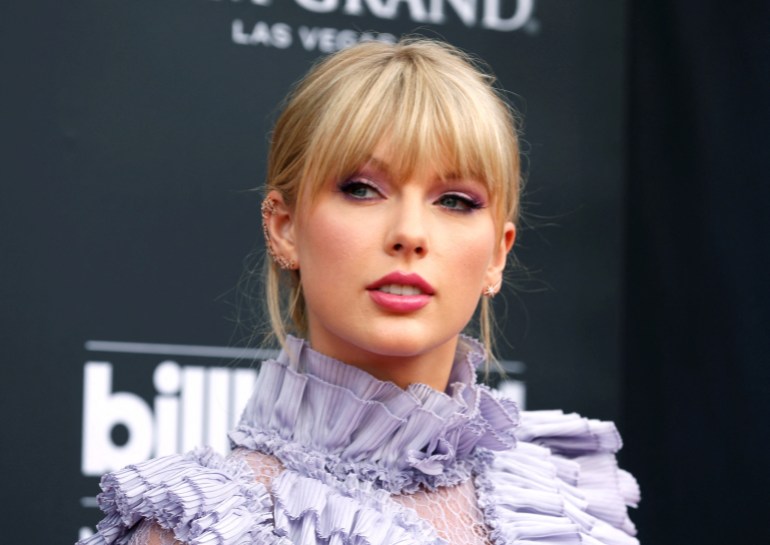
x,y
427,100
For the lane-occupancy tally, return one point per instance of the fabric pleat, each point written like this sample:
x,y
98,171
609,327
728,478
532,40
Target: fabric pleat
x,y
561,485
400,439
201,497
308,511
350,449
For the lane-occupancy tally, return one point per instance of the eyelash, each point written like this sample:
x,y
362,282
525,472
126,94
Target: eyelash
x,y
467,203
348,186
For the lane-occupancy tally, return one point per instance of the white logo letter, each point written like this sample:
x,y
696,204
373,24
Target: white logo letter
x,y
319,6
102,411
493,20
167,379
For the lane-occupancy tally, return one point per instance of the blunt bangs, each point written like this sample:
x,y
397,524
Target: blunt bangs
x,y
430,113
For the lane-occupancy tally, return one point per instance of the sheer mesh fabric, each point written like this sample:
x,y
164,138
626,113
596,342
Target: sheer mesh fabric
x,y
147,533
452,511
265,467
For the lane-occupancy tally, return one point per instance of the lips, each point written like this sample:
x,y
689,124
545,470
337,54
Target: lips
x,y
399,283
401,292
397,289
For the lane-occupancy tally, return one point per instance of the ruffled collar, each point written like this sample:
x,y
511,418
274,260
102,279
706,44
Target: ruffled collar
x,y
322,417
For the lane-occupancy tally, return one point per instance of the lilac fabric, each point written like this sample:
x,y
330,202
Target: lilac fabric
x,y
348,442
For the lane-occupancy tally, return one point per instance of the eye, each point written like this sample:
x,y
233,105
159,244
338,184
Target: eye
x,y
359,190
459,202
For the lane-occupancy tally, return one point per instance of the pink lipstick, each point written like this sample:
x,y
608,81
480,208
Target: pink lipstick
x,y
401,292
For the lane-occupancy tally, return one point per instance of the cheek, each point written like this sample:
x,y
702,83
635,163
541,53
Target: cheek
x,y
471,253
328,243
473,270
465,259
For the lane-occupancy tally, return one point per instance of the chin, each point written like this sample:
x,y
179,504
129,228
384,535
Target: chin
x,y
408,343
400,348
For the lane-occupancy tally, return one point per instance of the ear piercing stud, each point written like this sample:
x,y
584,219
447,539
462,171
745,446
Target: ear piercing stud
x,y
268,209
491,290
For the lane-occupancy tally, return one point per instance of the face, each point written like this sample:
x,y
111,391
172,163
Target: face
x,y
392,269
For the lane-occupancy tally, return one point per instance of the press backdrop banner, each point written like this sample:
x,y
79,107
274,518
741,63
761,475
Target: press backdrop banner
x,y
128,225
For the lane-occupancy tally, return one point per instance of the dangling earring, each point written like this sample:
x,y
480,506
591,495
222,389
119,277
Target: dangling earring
x,y
268,209
491,290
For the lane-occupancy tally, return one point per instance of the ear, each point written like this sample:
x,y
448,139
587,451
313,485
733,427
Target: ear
x,y
279,228
494,275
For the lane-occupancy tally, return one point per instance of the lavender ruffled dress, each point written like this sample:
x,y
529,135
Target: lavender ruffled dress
x,y
327,454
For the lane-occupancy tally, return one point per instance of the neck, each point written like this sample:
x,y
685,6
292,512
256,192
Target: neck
x,y
431,367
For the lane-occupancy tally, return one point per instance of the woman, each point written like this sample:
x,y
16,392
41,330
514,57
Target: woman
x,y
392,193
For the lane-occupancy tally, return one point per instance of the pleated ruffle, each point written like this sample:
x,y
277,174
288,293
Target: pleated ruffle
x,y
348,441
201,497
311,512
319,416
560,485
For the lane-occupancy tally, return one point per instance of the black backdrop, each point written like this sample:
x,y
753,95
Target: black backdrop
x,y
697,300
132,130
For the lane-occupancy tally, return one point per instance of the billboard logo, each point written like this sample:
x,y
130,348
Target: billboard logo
x,y
190,405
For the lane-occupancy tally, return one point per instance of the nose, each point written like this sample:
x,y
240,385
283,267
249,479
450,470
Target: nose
x,y
408,232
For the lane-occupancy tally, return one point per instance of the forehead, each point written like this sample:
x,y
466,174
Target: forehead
x,y
405,158
432,154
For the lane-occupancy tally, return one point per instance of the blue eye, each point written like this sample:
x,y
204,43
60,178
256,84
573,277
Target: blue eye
x,y
459,203
359,190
